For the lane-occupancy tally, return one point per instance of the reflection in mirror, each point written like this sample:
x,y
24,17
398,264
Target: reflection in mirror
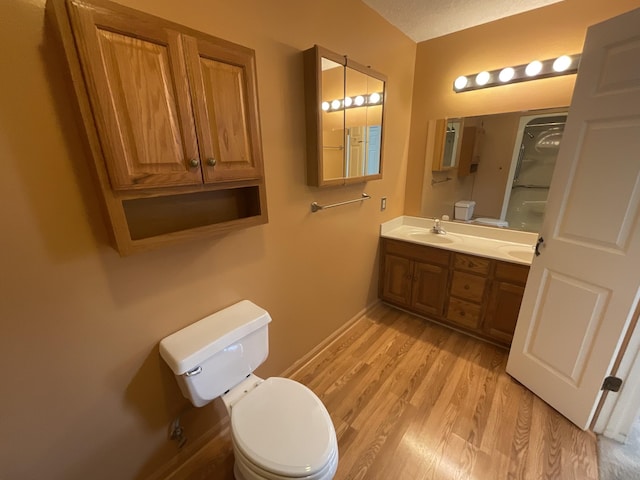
x,y
514,168
333,138
445,149
363,125
451,142
533,163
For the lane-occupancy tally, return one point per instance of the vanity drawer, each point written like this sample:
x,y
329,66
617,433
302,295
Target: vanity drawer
x,y
416,252
512,272
471,263
468,286
464,313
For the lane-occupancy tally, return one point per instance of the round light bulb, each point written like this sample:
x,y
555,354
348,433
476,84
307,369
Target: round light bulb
x,y
347,102
359,100
506,74
374,97
533,68
460,82
325,106
335,104
482,78
562,63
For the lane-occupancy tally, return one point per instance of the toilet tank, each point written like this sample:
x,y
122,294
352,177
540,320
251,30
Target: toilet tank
x,y
216,353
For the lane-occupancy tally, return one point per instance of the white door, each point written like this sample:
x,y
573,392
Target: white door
x,y
583,288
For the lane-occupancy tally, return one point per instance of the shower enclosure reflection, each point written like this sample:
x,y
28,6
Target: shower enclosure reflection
x,y
534,160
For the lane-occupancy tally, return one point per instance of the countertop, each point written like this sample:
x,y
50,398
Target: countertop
x,y
498,243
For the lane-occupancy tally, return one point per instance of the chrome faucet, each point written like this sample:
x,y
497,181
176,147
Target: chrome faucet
x,y
437,228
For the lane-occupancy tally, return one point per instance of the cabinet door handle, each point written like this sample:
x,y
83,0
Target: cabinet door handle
x,y
211,162
194,162
466,287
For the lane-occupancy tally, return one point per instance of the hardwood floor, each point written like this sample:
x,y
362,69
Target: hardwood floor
x,y
413,400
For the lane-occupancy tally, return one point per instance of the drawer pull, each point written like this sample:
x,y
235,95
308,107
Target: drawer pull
x,y
462,313
466,287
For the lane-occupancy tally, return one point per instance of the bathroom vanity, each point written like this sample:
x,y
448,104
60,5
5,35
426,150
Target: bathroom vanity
x,y
471,278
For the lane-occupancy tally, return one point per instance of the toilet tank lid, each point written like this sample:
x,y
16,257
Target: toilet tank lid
x,y
465,203
185,349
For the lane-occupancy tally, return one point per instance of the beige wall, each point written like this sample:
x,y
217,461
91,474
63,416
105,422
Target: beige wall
x,y
84,392
543,33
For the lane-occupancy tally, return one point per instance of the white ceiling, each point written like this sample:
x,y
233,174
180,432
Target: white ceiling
x,y
424,19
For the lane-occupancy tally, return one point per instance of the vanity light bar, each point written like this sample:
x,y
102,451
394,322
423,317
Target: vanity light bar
x,y
553,67
374,98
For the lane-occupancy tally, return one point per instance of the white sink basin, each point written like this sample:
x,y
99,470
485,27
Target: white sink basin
x,y
517,252
430,237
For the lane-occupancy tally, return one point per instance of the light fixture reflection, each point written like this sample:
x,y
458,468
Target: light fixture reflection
x,y
372,99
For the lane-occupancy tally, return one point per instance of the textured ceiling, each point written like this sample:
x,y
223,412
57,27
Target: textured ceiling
x,y
424,19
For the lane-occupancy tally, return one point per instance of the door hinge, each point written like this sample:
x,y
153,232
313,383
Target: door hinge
x,y
612,384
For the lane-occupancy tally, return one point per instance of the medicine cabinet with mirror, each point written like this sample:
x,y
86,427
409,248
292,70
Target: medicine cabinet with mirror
x,y
448,133
345,111
512,161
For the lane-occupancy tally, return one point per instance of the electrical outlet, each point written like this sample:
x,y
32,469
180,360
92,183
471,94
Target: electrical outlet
x,y
383,204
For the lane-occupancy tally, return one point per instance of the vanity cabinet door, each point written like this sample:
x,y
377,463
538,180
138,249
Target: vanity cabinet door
x,y
414,277
429,288
396,280
137,83
504,301
502,313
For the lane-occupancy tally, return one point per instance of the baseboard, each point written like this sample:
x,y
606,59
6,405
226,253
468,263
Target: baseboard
x,y
318,349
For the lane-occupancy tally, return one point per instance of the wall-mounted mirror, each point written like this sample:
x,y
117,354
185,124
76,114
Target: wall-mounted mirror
x,y
345,110
513,168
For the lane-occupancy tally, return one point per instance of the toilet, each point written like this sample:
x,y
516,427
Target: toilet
x,y
279,428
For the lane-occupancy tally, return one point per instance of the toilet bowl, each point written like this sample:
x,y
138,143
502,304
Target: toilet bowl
x,y
279,428
267,425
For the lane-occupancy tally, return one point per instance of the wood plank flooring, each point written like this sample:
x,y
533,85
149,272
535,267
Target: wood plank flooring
x,y
413,400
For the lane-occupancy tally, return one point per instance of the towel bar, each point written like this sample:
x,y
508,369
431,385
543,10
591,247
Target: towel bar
x,y
315,207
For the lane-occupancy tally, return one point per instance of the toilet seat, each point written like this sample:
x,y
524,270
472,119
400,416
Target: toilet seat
x,y
283,430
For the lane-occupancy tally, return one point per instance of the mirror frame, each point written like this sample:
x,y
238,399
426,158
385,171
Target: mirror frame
x,y
314,124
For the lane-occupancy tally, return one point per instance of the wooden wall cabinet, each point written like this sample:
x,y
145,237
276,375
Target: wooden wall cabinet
x,y
479,295
172,122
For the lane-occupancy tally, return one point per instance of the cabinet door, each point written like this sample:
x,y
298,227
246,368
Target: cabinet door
x,y
396,282
503,310
137,84
223,82
429,288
